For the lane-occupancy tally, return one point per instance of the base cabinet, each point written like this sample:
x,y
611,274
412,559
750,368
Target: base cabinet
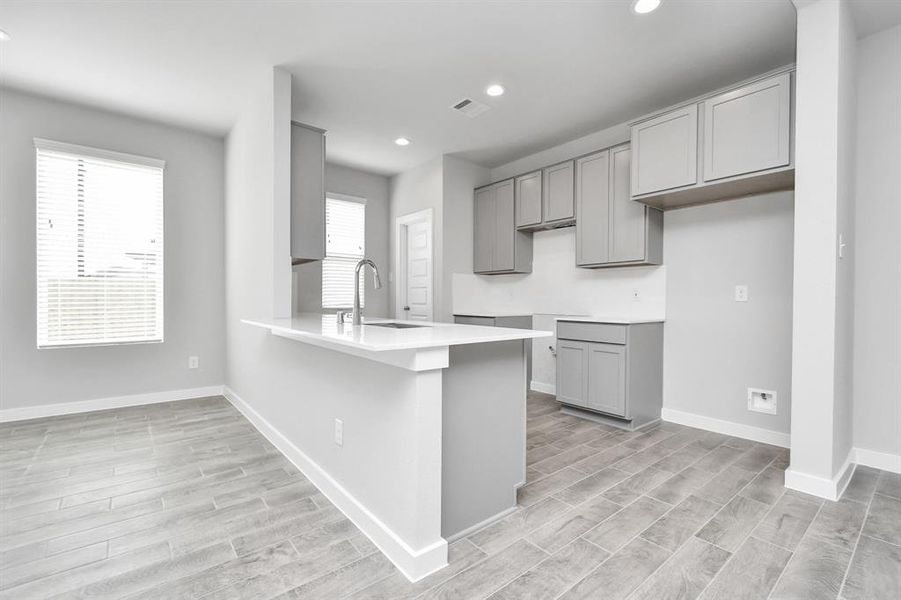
x,y
612,370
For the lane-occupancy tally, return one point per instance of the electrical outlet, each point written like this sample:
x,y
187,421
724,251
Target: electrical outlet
x,y
636,295
741,293
339,432
193,362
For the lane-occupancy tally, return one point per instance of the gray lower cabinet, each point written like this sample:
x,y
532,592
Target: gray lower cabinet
x,y
613,370
497,246
612,229
307,193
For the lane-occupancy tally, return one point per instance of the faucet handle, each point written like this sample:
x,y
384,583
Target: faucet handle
x,y
342,316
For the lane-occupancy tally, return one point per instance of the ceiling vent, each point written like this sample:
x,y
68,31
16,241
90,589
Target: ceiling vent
x,y
470,107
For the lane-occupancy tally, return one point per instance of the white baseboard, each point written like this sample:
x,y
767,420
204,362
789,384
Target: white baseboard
x,y
480,525
748,432
547,388
413,563
830,489
878,460
79,406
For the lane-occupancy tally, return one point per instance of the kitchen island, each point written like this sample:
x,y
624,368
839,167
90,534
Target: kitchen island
x,y
416,431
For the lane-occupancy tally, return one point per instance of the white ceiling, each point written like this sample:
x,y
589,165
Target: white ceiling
x,y
873,16
370,71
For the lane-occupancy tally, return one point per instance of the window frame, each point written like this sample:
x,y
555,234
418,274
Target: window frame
x,y
341,198
114,156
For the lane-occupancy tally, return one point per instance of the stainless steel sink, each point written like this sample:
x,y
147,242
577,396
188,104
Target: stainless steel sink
x,y
395,325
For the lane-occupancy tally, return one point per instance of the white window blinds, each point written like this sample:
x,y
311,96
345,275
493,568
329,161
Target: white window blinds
x,y
345,245
99,246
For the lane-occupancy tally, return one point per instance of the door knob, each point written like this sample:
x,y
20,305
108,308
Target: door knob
x,y
406,308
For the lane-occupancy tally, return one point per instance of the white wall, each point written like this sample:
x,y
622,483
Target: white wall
x,y
414,190
714,347
374,188
877,245
194,268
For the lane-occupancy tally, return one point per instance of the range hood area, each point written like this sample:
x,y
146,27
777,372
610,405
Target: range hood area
x,y
307,193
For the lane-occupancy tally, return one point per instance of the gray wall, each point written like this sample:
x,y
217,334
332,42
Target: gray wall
x,y
877,245
194,269
414,190
459,177
374,188
715,348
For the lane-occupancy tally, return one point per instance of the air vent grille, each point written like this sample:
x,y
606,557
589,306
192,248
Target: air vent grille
x,y
470,108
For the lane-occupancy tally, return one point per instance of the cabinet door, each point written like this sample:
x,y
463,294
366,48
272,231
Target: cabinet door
x,y
748,129
558,192
628,218
504,228
528,199
484,218
665,151
592,208
571,372
607,378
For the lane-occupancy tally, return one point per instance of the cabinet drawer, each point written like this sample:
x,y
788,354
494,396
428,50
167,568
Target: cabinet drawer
x,y
607,333
469,320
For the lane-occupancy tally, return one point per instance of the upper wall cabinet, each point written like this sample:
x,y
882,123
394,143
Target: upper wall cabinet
x,y
307,193
611,229
528,200
748,129
559,207
545,198
732,144
497,246
666,152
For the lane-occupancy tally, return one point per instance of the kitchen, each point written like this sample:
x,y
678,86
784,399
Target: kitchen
x,y
459,356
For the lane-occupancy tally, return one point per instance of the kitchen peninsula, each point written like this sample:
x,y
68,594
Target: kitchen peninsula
x,y
428,419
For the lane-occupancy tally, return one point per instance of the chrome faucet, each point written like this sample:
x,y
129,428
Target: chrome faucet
x,y
358,313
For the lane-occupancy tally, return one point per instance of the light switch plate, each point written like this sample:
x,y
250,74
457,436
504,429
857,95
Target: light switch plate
x,y
339,432
741,293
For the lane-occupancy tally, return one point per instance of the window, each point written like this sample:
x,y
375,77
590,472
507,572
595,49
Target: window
x,y
99,246
345,245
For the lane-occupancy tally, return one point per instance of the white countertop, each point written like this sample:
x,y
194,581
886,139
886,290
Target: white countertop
x,y
324,330
615,319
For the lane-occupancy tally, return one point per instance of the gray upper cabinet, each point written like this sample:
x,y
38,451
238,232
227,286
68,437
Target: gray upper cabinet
x,y
307,193
559,206
593,209
612,229
748,129
734,143
484,217
528,200
497,246
666,151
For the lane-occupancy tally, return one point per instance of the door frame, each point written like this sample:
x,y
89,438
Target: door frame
x,y
400,259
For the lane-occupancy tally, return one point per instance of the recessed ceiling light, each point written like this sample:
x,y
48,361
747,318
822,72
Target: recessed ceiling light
x,y
402,141
495,89
643,7
4,37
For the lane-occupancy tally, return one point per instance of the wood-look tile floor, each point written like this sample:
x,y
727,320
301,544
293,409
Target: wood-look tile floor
x,y
187,500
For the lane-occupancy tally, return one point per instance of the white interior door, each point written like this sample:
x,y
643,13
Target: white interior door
x,y
417,295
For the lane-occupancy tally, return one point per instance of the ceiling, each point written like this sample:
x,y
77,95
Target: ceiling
x,y
370,71
873,16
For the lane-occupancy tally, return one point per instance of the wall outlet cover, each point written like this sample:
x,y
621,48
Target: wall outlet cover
x,y
762,401
193,362
741,293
